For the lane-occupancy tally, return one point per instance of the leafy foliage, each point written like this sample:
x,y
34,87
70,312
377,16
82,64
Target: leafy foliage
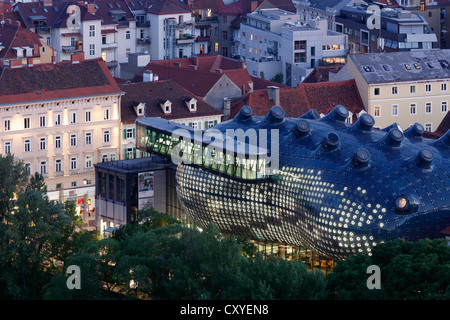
x,y
409,270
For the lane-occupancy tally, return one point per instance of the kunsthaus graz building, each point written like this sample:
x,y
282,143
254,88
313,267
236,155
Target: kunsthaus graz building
x,y
315,182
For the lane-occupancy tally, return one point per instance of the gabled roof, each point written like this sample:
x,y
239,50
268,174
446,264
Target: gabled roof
x,y
62,80
28,10
321,74
14,36
153,93
205,4
196,81
323,97
444,126
161,7
106,8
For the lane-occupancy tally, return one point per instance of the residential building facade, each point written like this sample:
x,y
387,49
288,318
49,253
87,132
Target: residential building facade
x,y
60,119
402,87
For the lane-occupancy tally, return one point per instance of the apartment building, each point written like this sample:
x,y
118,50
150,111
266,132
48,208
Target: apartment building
x,y
275,40
60,119
398,30
105,29
402,87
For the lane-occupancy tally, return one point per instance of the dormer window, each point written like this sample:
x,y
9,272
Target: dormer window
x,y
139,109
166,107
191,103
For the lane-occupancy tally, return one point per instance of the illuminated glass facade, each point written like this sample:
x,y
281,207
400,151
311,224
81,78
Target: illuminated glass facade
x,y
339,189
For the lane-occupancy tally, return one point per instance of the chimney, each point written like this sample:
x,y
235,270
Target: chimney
x,y
226,107
30,62
77,57
220,71
242,64
18,23
53,59
15,63
48,3
147,76
274,93
36,52
91,8
193,67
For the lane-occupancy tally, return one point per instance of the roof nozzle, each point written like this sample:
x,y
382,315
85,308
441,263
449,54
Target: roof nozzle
x,y
244,114
301,128
424,159
311,114
331,142
416,130
338,114
360,159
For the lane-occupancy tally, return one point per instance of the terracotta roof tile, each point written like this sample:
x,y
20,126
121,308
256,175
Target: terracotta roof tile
x,y
444,126
152,93
56,81
296,101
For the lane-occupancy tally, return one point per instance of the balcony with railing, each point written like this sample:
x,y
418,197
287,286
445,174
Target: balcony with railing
x,y
109,46
143,41
71,49
186,39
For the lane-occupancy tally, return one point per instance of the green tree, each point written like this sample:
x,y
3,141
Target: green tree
x,y
409,270
32,230
279,77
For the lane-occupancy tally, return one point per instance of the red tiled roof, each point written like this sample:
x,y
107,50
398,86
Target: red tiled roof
x,y
11,36
296,101
196,81
446,231
444,126
204,63
152,93
321,74
62,80
205,4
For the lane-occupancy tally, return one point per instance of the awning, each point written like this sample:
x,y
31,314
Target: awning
x,y
109,31
110,229
72,34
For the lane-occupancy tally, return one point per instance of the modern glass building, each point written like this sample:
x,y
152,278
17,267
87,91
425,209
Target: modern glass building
x,y
317,183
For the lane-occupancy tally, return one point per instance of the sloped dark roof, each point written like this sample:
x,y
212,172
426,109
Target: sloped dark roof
x,y
444,126
11,36
56,81
153,93
323,97
166,6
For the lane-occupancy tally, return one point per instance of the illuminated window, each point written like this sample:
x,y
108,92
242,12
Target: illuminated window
x,y
216,47
377,111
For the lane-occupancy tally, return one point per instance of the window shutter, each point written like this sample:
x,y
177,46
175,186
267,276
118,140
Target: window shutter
x,y
215,122
134,153
124,133
134,133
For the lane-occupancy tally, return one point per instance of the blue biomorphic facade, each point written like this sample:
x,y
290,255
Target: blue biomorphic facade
x,y
338,189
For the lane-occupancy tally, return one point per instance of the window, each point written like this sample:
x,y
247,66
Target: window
x,y
92,49
7,147
128,35
88,161
412,108
28,168
428,88
376,91
73,117
42,121
428,107
105,114
92,30
57,119
129,133
225,35
58,142
27,145
377,111
216,47
88,116
429,127
58,165
42,143
106,136
7,125
444,106
88,138
26,123
412,89
395,110
104,39
73,184
43,165
129,153
73,140
394,90
73,163
443,87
